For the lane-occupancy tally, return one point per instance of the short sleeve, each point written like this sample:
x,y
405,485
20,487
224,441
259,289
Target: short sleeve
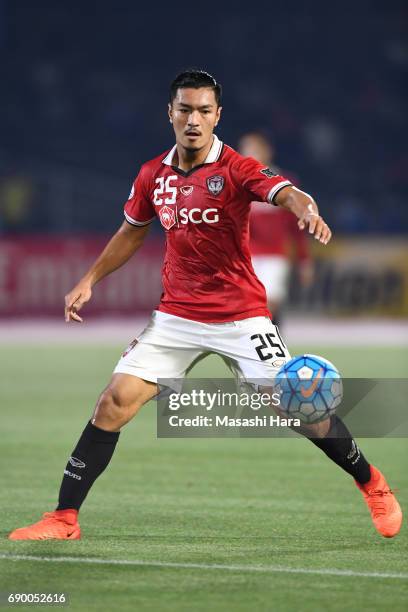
x,y
261,182
138,209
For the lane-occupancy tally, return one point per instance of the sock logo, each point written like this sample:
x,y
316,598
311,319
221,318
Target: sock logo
x,y
67,473
354,451
76,462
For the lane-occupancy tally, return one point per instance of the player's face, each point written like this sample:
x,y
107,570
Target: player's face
x,y
194,114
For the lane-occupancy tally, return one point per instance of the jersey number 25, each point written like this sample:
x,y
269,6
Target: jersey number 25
x,y
165,188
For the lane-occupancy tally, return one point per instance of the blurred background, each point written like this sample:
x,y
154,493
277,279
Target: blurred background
x,y
83,104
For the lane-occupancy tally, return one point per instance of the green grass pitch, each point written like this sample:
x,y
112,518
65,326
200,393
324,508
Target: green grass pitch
x,y
250,506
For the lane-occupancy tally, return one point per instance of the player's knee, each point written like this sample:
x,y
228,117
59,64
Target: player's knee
x,y
115,407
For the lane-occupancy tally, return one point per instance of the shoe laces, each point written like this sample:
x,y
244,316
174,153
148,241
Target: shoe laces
x,y
378,502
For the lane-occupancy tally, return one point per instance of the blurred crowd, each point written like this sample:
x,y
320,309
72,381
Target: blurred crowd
x,y
86,92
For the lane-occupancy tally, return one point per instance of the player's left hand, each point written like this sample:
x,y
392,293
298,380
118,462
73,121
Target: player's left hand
x,y
317,226
75,299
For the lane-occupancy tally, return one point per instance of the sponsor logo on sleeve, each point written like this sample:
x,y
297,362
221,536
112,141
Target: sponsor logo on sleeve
x,y
132,193
268,172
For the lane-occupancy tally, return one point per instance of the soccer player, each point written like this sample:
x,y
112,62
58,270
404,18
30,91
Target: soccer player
x,y
201,192
275,237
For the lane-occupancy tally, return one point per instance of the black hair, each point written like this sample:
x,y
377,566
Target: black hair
x,y
195,79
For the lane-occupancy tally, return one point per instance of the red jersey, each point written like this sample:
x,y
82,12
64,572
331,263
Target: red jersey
x,y
207,270
274,231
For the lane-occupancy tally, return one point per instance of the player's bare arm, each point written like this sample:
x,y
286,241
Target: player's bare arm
x,y
306,210
127,240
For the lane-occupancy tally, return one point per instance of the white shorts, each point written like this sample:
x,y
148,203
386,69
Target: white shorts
x,y
273,272
169,345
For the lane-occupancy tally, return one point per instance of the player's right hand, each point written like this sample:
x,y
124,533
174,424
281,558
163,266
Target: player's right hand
x,y
75,299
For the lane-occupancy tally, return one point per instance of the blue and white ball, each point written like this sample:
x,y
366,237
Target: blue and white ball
x,y
310,388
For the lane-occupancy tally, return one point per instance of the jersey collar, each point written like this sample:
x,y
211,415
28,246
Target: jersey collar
x,y
213,154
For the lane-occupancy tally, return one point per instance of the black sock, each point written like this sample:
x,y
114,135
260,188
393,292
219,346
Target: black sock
x,y
341,448
89,459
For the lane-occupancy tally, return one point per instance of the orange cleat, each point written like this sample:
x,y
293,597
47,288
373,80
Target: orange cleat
x,y
57,525
382,503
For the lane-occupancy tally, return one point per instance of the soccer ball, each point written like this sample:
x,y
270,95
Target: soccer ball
x,y
310,388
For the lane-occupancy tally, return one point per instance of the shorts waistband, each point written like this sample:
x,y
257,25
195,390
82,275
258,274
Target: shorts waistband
x,y
165,316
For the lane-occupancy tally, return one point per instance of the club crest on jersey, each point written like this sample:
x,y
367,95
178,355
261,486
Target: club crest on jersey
x,y
215,184
187,190
167,217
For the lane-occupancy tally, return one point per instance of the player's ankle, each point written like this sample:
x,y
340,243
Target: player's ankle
x,y
375,476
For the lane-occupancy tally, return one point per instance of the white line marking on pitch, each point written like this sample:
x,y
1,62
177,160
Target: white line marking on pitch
x,y
205,566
